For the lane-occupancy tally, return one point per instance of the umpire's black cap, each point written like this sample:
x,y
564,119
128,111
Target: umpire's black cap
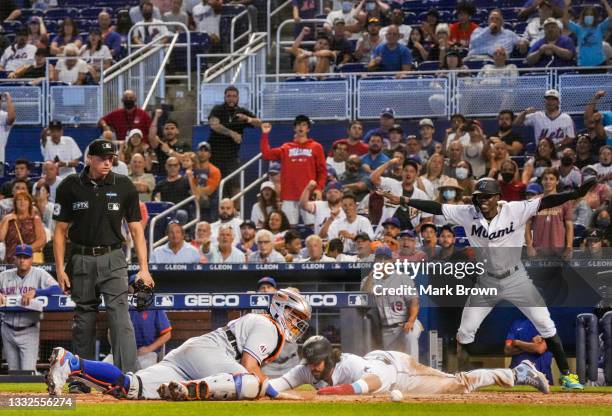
x,y
101,147
488,186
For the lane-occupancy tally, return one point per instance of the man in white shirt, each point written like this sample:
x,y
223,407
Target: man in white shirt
x,y
323,210
225,251
7,119
339,157
265,249
207,18
176,250
50,178
314,250
348,228
136,13
604,166
227,216
60,149
146,34
18,54
535,28
551,123
350,15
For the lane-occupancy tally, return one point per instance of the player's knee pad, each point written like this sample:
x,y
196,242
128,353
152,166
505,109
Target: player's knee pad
x,y
232,387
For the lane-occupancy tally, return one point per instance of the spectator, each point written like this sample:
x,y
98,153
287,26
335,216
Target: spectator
x,y
377,9
523,342
169,144
465,177
409,218
124,24
354,179
457,130
207,18
36,70
302,9
391,56
21,328
314,250
96,54
176,250
37,33
497,156
550,231
429,26
368,42
175,188
177,15
396,171
604,166
570,176
429,240
356,146
591,110
19,54
533,190
111,38
491,73
552,47
417,46
451,193
513,140
545,156
397,19
67,34
266,284
49,178
188,159
433,177
8,115
375,156
535,28
45,209
22,173
71,70
144,182
461,30
600,221
325,212
302,160
277,224
122,120
334,250
446,241
290,247
227,216
550,123
22,226
9,11
484,41
349,13
426,133
265,249
387,121
437,51
318,61
7,204
590,36
364,248
153,29
225,251
227,124
389,230
247,240
530,7
512,188
202,240
584,155
455,156
60,149
353,224
339,157
136,12
594,244
205,179
133,145
339,43
407,247
267,201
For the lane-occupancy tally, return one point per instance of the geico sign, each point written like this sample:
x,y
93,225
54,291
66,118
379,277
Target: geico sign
x,y
212,300
322,300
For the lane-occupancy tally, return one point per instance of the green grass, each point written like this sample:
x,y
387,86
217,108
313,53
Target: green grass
x,y
267,408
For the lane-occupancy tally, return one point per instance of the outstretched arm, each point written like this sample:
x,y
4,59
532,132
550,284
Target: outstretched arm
x,y
430,207
554,200
367,384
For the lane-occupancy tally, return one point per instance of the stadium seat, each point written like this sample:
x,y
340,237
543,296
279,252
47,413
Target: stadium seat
x,y
475,64
93,12
520,160
429,66
11,25
61,13
530,148
26,14
155,208
410,18
353,67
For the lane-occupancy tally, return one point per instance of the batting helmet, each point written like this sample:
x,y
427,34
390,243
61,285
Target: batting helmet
x,y
316,349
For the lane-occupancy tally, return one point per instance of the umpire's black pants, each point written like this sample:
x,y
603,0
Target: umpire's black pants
x,y
91,276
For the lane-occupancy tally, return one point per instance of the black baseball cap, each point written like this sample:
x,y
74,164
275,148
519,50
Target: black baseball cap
x,y
101,147
363,236
397,128
487,186
302,119
55,124
448,228
248,223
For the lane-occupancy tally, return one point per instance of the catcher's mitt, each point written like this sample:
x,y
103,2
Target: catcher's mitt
x,y
143,295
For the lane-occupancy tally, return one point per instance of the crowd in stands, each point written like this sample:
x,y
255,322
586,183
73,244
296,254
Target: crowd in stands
x,y
374,35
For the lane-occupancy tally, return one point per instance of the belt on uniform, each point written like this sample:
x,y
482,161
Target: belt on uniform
x,y
394,325
232,340
505,274
19,328
94,251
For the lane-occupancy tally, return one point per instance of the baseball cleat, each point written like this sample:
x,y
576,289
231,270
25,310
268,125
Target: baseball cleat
x,y
526,374
570,382
178,392
59,370
188,390
164,392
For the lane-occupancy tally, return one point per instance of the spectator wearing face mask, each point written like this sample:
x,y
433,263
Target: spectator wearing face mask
x,y
569,175
601,222
448,193
590,36
350,14
512,188
465,177
545,156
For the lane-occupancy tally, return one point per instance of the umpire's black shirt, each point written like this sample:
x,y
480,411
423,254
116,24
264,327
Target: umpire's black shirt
x,y
95,209
224,148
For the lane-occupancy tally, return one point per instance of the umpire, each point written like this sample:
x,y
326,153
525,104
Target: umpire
x,y
89,210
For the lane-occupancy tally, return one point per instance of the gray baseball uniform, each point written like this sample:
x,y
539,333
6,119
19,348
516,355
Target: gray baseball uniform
x,y
21,330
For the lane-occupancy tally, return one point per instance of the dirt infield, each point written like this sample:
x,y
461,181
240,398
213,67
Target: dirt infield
x,y
508,397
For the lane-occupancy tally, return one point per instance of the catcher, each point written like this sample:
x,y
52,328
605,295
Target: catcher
x,y
226,362
332,372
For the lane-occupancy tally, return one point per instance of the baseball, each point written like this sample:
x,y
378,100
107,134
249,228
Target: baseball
x,y
396,396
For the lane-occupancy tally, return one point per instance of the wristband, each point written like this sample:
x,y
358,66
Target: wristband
x,y
360,387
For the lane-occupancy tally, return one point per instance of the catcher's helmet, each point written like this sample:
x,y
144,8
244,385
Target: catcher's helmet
x,y
292,312
316,349
487,186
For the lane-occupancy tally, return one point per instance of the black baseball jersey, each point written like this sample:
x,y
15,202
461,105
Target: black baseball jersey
x,y
95,209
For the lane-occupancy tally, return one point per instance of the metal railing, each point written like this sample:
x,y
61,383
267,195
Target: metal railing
x,y
270,14
233,39
280,43
160,72
153,244
240,171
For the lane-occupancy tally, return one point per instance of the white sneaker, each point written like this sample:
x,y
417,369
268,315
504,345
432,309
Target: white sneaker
x,y
59,370
526,374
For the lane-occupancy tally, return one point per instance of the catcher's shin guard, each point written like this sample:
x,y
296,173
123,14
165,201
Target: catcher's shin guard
x,y
223,386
